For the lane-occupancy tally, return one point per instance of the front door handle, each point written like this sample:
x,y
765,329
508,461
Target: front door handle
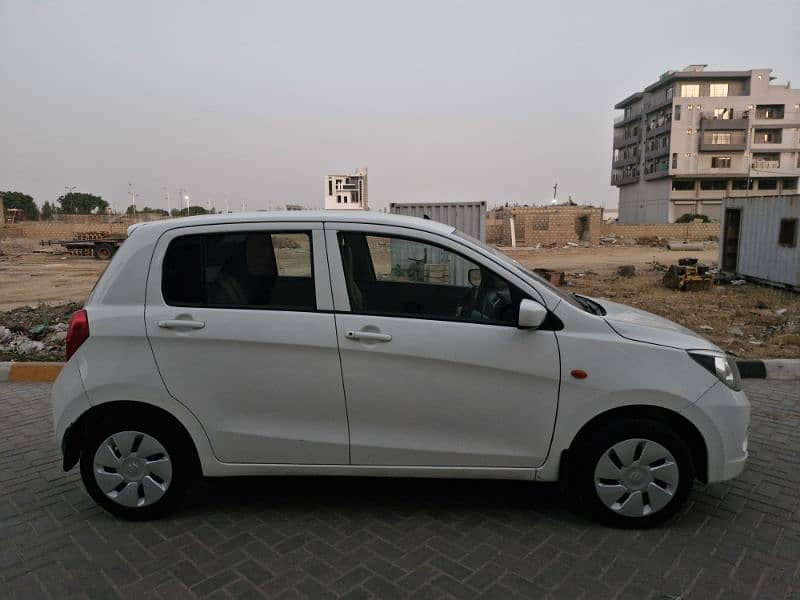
x,y
181,324
370,336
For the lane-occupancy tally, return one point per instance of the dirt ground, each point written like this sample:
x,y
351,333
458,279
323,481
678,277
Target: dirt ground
x,y
28,278
748,321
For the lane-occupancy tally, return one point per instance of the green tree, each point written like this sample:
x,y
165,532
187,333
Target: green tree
x,y
24,202
47,211
689,218
78,203
193,210
157,211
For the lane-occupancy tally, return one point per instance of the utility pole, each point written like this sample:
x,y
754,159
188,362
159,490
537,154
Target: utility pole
x,y
132,194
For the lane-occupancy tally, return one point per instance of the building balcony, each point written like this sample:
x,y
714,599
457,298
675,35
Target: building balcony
x,y
660,151
624,162
656,103
622,142
623,179
766,164
659,172
710,123
622,120
659,130
734,141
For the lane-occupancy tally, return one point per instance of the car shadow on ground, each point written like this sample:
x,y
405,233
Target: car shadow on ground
x,y
369,493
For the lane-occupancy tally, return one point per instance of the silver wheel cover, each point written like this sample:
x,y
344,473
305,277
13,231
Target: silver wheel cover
x,y
636,477
132,468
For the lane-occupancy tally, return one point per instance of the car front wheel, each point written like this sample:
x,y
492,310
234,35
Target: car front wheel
x,y
633,474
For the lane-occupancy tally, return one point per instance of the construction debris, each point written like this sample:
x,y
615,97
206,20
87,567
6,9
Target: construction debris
x,y
684,245
626,270
555,277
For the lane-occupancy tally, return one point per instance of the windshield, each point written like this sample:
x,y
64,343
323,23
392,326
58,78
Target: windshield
x,y
572,299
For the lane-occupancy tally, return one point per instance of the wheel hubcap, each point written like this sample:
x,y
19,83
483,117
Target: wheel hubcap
x,y
636,477
132,468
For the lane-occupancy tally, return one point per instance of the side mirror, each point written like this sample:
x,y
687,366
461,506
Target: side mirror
x,y
531,314
474,277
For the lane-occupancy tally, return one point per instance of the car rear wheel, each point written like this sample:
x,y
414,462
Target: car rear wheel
x,y
633,474
136,470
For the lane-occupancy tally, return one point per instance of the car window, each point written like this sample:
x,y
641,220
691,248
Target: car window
x,y
240,270
397,276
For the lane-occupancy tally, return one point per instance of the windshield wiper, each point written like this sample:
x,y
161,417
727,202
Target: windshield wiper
x,y
590,306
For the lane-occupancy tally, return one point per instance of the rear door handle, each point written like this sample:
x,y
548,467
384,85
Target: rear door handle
x,y
181,324
368,335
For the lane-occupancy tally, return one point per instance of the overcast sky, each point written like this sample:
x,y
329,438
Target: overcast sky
x,y
257,101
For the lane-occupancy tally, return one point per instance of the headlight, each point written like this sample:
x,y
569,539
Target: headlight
x,y
720,366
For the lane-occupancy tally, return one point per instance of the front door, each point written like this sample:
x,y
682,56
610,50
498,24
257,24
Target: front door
x,y
239,319
435,370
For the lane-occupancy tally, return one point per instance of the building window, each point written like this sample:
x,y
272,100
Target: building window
x,y
787,235
677,112
741,184
723,113
713,184
674,161
668,94
720,138
338,198
719,90
330,187
789,184
767,136
690,90
682,185
768,184
770,111
720,162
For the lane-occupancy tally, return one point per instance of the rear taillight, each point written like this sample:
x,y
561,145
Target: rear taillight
x,y
78,331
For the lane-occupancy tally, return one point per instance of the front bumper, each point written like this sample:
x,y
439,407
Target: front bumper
x,y
723,418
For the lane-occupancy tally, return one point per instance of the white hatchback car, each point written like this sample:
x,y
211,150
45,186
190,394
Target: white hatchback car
x,y
371,344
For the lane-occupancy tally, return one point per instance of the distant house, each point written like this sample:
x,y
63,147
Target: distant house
x,y
347,192
760,239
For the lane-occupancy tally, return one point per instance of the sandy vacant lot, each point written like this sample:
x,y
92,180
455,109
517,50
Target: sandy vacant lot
x,y
41,278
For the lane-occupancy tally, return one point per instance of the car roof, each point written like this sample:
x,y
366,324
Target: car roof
x,y
295,216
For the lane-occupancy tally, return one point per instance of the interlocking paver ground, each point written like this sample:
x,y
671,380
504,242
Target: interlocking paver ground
x,y
373,538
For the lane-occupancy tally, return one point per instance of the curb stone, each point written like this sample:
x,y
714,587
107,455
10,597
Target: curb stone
x,y
770,368
30,371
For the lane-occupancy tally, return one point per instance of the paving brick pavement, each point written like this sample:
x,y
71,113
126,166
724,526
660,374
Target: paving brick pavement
x,y
351,538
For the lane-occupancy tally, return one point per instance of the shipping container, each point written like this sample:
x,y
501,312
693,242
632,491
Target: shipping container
x,y
469,217
760,239
438,265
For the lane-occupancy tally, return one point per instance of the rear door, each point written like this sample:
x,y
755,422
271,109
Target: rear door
x,y
436,372
239,320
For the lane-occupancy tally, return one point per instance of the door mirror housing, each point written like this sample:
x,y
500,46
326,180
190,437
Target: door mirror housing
x,y
531,314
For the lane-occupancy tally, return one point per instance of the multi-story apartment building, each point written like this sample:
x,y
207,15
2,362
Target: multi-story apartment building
x,y
347,192
695,137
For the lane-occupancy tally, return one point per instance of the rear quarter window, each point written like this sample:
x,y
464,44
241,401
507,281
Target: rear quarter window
x,y
259,269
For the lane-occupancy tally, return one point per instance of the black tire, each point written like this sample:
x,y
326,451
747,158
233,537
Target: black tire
x,y
103,251
587,452
179,449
